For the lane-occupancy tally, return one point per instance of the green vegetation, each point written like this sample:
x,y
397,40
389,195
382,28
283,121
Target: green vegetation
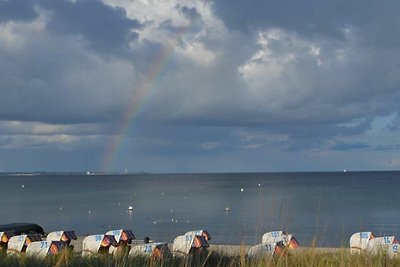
x,y
310,257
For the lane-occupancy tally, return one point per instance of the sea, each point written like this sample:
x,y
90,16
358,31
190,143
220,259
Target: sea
x,y
319,208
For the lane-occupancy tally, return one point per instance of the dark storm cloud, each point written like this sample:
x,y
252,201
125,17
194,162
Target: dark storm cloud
x,y
376,21
105,28
19,10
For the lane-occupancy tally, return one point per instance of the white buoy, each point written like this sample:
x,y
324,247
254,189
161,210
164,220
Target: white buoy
x,y
130,208
89,211
241,189
227,209
259,185
22,186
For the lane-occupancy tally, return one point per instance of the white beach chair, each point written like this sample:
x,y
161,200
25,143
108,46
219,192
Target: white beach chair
x,y
64,236
289,241
123,237
155,250
40,249
18,244
359,241
383,244
189,242
266,250
94,244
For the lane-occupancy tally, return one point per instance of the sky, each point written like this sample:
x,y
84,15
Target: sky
x,y
199,86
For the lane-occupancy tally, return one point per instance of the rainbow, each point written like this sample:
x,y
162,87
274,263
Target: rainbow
x,y
128,117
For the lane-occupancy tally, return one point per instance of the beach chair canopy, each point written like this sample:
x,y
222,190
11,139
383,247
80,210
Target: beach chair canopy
x,y
41,249
288,240
122,235
273,237
19,243
22,228
157,250
185,243
359,241
266,249
199,232
96,243
65,236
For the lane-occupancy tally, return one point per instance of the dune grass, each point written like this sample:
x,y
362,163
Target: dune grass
x,y
308,257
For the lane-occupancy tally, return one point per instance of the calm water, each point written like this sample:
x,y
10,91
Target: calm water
x,y
330,206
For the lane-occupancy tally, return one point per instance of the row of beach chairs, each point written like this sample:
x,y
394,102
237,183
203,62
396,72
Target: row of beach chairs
x,y
114,242
117,242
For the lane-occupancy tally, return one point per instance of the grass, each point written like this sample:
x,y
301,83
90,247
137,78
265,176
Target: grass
x,y
309,257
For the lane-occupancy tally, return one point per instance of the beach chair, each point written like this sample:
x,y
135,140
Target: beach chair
x,y
289,241
123,237
95,244
64,236
266,250
360,241
18,244
382,244
189,243
153,250
40,249
4,238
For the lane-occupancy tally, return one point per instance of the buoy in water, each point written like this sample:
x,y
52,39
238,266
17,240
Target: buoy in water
x,y
130,208
227,209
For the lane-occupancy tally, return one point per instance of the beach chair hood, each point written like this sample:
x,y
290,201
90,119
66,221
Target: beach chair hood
x,y
288,240
65,236
359,241
41,249
122,235
93,243
273,237
200,232
19,243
